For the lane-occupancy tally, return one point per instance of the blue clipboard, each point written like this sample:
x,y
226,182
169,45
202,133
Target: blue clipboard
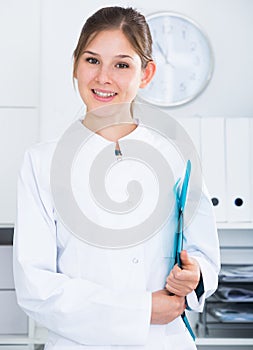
x,y
181,194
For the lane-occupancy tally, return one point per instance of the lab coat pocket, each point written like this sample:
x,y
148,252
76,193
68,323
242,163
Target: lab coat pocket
x,y
95,264
179,341
127,269
157,271
160,258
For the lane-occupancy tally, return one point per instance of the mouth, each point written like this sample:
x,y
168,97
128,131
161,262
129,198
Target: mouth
x,y
104,94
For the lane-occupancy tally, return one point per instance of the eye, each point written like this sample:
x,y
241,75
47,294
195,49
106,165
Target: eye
x,y
92,60
122,65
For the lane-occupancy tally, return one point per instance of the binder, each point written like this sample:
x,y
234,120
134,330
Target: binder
x,y
192,127
251,166
213,163
238,169
180,191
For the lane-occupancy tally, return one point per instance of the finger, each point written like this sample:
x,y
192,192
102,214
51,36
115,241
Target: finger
x,y
179,286
175,269
174,286
174,273
176,291
186,285
180,276
185,259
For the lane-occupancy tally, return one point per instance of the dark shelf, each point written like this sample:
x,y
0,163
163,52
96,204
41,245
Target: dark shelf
x,y
6,235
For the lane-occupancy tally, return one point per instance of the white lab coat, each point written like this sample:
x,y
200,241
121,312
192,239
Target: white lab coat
x,y
94,298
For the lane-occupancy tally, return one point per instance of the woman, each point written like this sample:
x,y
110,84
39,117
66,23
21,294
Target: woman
x,y
94,298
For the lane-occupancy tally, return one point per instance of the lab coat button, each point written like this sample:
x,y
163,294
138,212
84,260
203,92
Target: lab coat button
x,y
135,261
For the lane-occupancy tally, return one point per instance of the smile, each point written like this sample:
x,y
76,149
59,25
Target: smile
x,y
103,94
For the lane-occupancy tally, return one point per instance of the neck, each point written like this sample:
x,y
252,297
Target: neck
x,y
115,132
111,123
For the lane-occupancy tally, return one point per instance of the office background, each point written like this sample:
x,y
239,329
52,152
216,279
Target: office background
x,y
38,101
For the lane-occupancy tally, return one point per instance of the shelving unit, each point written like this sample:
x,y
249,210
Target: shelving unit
x,y
236,242
213,321
26,334
12,318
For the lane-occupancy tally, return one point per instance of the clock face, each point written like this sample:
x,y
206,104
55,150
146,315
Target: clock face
x,y
183,57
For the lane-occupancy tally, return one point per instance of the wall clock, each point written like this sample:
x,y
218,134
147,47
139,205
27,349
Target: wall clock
x,y
184,60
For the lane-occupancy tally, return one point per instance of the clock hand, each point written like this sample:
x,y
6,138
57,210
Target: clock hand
x,y
164,55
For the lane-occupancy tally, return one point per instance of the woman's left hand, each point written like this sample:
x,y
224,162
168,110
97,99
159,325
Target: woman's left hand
x,y
182,281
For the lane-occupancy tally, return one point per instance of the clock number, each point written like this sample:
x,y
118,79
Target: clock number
x,y
193,76
193,46
167,27
182,87
184,31
196,61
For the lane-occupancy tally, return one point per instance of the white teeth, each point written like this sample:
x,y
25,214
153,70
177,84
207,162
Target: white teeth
x,y
104,94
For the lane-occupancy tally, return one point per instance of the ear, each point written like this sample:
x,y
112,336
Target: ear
x,y
74,68
147,74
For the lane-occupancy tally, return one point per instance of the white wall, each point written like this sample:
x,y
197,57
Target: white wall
x,y
19,47
37,39
228,24
19,93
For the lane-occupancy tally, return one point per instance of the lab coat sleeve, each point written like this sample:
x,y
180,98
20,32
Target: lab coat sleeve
x,y
201,243
75,308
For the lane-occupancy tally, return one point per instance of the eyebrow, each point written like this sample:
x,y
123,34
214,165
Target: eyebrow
x,y
91,53
117,56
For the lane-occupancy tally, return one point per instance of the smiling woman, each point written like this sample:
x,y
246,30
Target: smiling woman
x,y
95,297
110,73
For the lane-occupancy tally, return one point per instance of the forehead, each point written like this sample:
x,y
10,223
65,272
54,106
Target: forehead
x,y
110,40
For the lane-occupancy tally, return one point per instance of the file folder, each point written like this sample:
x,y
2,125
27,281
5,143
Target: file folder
x,y
238,169
213,163
180,191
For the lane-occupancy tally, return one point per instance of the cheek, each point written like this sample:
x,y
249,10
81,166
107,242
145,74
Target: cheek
x,y
84,75
131,82
83,78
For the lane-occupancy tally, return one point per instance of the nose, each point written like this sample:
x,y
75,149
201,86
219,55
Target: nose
x,y
103,75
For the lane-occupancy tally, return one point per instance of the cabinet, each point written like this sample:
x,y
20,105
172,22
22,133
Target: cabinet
x,y
229,321
12,318
17,330
225,147
14,323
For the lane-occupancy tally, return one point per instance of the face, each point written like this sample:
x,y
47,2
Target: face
x,y
109,71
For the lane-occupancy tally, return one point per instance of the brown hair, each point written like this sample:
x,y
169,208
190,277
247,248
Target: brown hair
x,y
132,23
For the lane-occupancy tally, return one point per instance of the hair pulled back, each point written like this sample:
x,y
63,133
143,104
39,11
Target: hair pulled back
x,y
132,23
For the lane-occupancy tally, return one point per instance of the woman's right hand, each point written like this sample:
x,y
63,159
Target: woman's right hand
x,y
166,307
